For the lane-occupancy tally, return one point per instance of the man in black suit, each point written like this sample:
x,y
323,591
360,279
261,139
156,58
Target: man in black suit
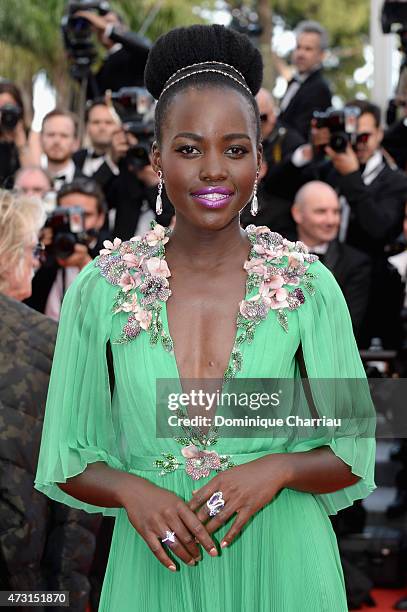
x,y
316,212
59,141
277,185
308,91
373,195
99,160
126,54
130,192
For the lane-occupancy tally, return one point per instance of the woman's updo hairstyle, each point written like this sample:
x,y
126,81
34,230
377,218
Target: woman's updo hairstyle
x,y
183,47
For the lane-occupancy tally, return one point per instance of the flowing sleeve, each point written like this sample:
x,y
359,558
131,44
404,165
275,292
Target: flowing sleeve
x,y
339,385
78,425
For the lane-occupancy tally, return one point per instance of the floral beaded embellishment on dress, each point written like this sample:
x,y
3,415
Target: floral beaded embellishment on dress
x,y
139,268
199,461
275,268
274,265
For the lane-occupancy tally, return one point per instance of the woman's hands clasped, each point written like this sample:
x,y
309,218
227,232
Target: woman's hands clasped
x,y
157,513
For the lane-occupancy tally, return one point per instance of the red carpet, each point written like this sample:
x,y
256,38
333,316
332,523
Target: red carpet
x,y
385,599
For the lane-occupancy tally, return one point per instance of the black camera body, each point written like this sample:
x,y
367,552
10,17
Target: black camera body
x,y
10,115
342,125
134,106
78,36
68,229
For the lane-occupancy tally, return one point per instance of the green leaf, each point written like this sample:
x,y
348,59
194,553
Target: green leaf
x,y
167,343
229,374
309,287
282,319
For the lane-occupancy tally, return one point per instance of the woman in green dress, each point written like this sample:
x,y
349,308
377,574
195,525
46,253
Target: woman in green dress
x,y
205,522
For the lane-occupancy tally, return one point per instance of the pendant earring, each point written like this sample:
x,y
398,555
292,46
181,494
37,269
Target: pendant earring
x,y
158,202
254,208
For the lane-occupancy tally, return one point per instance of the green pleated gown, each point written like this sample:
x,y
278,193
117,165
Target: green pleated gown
x,y
286,558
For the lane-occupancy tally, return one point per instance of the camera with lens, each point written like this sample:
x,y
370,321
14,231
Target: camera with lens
x,y
68,229
78,36
342,125
10,115
135,107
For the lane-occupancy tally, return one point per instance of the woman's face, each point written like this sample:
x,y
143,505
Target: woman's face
x,y
19,281
208,155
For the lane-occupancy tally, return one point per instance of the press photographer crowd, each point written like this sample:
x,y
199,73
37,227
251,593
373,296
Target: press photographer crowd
x,y
332,178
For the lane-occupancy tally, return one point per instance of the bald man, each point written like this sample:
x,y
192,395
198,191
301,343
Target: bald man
x,y
316,212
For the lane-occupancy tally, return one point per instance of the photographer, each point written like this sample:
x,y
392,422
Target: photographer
x,y
133,193
374,190
126,53
373,197
13,139
77,239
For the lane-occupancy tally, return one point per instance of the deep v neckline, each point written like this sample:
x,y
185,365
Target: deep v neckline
x,y
166,323
275,270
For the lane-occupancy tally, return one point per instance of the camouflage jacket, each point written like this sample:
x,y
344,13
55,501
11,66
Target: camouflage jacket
x,y
43,544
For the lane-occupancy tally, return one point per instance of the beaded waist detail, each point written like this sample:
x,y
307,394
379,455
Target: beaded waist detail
x,y
148,463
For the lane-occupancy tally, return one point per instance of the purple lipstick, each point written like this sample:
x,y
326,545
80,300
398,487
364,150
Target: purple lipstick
x,y
213,197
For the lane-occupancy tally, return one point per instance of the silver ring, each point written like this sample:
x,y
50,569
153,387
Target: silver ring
x,y
169,537
215,503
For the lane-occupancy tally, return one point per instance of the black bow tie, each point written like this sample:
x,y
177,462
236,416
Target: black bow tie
x,y
60,177
95,155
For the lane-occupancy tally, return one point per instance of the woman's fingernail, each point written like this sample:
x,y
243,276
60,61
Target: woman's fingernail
x,y
172,568
213,552
192,562
198,558
223,544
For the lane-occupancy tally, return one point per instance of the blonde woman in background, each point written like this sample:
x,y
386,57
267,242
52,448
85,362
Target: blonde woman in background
x,y
21,219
